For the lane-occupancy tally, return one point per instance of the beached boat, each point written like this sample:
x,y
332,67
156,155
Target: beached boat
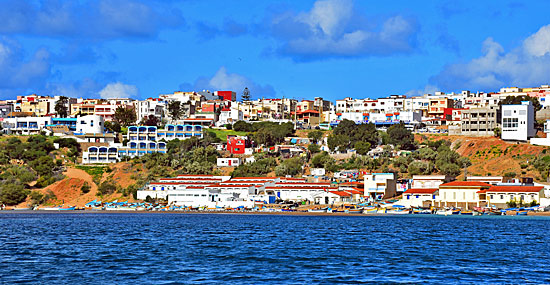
x,y
381,211
370,210
317,210
398,212
521,213
355,211
22,209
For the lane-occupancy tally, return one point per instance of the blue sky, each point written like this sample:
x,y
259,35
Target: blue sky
x,y
296,49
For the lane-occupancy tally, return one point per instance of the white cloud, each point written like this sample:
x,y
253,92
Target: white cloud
x,y
118,90
526,65
224,80
428,89
332,28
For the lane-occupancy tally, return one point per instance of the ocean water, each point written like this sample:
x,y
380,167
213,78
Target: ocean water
x,y
151,248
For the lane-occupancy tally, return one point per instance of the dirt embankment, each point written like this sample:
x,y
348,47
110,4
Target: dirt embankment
x,y
493,156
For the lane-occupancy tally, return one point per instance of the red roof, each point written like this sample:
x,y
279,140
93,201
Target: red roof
x,y
421,191
513,189
231,185
310,111
341,193
465,184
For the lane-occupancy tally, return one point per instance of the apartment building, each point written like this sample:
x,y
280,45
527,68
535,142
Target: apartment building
x,y
380,185
518,121
479,122
438,105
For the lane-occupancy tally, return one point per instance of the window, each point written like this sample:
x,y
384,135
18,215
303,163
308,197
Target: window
x,y
491,196
417,196
522,112
408,197
509,123
501,197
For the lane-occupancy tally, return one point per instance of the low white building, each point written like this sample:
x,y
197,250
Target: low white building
x,y
419,197
518,121
231,161
317,171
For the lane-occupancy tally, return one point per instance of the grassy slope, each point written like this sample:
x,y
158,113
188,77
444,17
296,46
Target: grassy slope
x,y
222,134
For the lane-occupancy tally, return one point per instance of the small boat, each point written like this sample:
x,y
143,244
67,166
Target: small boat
x,y
521,213
455,212
67,209
467,213
381,211
317,210
355,211
398,212
370,210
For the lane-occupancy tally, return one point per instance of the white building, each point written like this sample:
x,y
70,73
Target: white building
x,y
380,185
90,124
518,121
229,116
224,161
419,197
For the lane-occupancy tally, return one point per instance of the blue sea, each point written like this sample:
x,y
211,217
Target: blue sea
x,y
153,248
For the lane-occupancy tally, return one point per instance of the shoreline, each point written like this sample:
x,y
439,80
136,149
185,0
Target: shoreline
x,y
538,214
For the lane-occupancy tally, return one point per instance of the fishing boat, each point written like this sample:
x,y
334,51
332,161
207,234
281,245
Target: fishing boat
x,y
467,213
381,211
370,210
57,208
317,210
521,213
355,211
398,212
455,212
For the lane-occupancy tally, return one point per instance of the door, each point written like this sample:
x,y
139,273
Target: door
x,y
326,200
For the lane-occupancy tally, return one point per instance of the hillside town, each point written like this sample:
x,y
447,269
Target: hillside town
x,y
236,131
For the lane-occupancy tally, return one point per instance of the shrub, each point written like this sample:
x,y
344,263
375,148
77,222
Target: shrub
x,y
85,188
106,188
314,148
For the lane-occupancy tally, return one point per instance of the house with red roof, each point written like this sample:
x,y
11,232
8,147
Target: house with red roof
x,y
461,194
419,197
498,195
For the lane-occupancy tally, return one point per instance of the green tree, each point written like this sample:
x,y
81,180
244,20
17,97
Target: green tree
x,y
113,127
399,135
125,116
314,148
61,107
420,167
425,153
265,136
150,120
362,148
242,126
347,133
44,165
12,193
291,166
175,110
315,135
246,95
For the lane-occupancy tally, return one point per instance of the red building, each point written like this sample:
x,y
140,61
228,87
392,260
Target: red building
x,y
237,144
227,95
